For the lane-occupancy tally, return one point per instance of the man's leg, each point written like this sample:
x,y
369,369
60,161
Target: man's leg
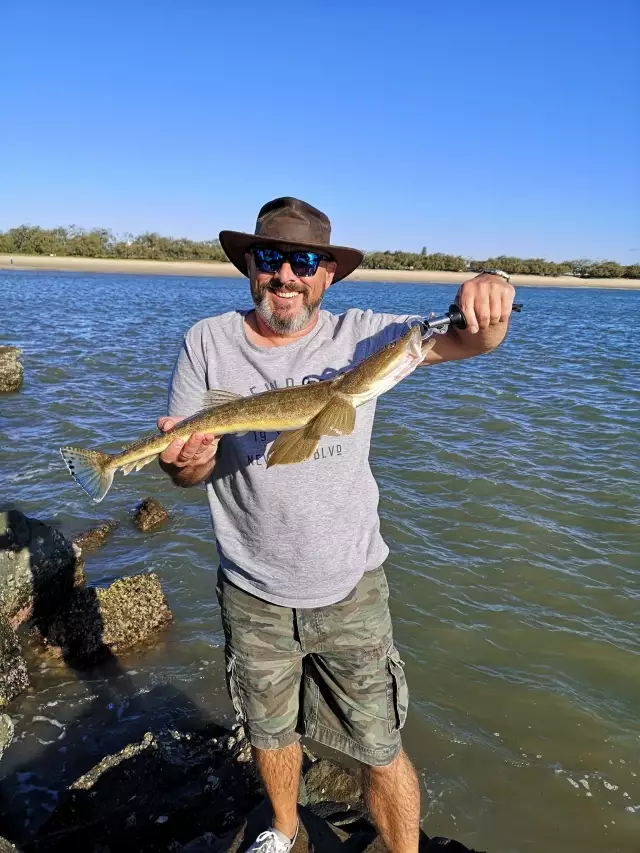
x,y
392,794
279,771
264,670
363,694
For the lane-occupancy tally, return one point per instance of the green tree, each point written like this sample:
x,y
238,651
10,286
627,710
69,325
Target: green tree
x,y
606,269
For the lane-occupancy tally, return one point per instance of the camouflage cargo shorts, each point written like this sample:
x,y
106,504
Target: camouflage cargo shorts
x,y
331,673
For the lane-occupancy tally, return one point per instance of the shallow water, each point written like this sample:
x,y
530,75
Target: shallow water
x,y
510,499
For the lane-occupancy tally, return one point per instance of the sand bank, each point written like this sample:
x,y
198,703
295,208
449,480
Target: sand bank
x,y
219,270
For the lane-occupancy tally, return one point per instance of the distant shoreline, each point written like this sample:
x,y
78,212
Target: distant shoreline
x,y
220,270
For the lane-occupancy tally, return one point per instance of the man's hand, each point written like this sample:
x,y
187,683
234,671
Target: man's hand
x,y
486,302
188,462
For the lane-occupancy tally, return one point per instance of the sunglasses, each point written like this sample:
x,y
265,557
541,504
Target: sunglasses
x,y
303,263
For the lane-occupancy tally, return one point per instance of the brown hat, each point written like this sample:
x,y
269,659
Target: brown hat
x,y
295,224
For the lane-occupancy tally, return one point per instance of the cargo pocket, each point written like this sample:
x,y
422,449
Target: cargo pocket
x,y
234,690
397,691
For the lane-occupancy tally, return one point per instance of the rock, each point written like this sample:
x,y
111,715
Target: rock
x,y
150,514
123,801
326,781
86,782
6,732
7,846
95,537
314,833
245,754
11,370
308,754
98,622
444,845
13,669
207,843
37,567
78,571
159,794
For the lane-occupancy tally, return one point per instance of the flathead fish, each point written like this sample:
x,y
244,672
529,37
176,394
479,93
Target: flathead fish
x,y
301,414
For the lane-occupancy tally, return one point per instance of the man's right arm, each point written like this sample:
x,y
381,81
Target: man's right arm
x,y
191,462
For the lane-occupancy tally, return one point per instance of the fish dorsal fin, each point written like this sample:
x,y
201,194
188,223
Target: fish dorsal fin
x,y
337,418
293,446
217,397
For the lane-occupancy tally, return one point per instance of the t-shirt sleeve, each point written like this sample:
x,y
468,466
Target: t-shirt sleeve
x,y
189,378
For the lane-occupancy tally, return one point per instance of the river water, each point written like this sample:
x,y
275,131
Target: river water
x,y
510,499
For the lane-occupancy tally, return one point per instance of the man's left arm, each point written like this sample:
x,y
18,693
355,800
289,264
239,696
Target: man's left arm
x,y
486,302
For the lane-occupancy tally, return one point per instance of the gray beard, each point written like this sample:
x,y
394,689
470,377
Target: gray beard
x,y
285,325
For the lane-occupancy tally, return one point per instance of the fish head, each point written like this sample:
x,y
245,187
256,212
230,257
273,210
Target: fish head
x,y
386,367
404,349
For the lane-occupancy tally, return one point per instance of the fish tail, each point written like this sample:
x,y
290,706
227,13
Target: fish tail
x,y
91,469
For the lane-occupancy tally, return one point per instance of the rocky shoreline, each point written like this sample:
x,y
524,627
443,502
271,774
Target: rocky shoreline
x,y
179,789
190,792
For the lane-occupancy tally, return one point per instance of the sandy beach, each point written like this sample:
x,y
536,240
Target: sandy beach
x,y
221,270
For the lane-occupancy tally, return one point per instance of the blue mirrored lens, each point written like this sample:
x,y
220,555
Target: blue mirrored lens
x,y
268,260
303,263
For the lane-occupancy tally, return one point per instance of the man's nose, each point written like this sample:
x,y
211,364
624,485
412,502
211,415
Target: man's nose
x,y
285,274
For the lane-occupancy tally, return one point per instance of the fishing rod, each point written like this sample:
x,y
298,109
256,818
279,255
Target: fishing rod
x,y
454,317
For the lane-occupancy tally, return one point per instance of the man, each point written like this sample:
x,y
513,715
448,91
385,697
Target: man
x,y
302,591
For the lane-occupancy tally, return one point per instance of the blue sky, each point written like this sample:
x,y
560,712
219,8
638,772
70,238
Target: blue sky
x,y
469,127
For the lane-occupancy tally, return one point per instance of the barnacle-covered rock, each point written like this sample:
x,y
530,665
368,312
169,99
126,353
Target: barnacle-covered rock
x,y
99,622
11,369
150,514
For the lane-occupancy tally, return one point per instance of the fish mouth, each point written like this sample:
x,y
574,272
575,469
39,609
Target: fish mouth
x,y
415,347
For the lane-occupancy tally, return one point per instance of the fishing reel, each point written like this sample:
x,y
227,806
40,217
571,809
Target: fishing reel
x,y
453,317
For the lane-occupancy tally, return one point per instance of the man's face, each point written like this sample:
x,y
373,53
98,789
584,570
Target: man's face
x,y
286,302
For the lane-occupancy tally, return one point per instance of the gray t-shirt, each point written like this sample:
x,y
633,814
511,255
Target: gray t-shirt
x,y
295,535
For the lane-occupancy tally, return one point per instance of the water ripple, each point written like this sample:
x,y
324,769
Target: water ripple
x,y
509,496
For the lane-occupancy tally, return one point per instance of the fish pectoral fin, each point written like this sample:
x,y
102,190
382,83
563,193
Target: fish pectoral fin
x,y
217,397
137,464
145,461
337,418
293,446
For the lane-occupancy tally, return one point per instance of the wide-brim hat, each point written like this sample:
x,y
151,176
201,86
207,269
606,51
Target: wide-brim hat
x,y
290,224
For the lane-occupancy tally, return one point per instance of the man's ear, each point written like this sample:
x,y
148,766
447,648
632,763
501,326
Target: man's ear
x,y
248,257
331,268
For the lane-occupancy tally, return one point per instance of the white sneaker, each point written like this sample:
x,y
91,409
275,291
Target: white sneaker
x,y
273,841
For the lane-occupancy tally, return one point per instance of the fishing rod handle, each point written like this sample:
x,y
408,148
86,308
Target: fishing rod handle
x,y
459,321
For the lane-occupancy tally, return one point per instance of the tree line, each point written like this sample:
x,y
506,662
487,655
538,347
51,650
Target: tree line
x,y
102,243
524,266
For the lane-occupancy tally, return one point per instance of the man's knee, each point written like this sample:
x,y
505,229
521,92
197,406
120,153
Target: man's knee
x,y
282,756
380,771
